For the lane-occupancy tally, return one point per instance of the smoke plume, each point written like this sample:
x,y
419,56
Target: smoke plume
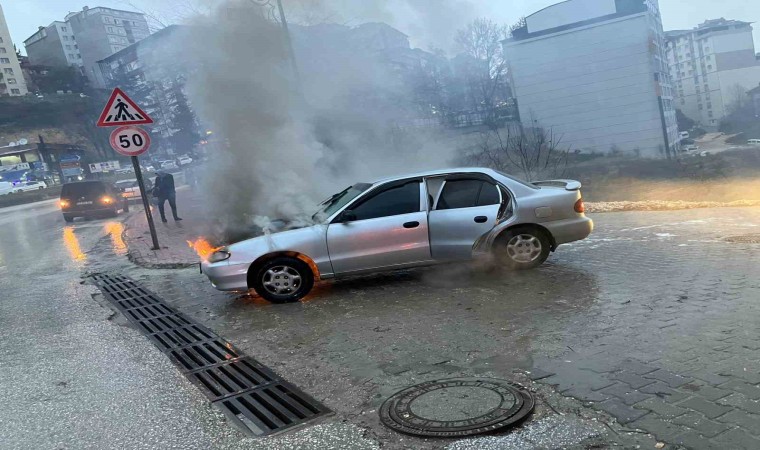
x,y
292,142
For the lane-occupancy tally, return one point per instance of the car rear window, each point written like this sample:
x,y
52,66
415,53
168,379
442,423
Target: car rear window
x,y
84,189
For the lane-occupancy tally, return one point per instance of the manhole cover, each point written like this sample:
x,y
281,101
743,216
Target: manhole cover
x,y
456,407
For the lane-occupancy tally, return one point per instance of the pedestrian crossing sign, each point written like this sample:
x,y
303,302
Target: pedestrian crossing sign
x,y
121,110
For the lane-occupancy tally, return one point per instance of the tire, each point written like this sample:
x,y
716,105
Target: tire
x,y
284,266
522,248
68,218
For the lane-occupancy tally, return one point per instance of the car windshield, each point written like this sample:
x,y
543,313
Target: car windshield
x,y
339,200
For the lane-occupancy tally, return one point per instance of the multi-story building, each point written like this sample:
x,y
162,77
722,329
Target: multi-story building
x,y
11,78
101,32
54,45
594,72
712,66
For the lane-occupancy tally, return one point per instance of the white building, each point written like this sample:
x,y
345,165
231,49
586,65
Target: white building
x,y
594,72
710,66
11,78
54,45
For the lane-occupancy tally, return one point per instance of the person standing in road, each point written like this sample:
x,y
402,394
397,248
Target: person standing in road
x,y
164,190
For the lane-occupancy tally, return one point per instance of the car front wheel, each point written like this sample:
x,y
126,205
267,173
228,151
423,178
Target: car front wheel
x,y
283,280
523,248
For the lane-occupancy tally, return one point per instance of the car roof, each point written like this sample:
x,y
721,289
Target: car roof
x,y
431,173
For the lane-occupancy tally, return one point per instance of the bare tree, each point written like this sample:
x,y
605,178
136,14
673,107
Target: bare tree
x,y
737,98
484,68
535,152
521,22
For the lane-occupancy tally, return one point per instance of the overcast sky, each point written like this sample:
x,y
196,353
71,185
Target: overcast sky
x,y
24,16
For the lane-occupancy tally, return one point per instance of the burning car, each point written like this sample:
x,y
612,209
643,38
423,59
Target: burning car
x,y
408,221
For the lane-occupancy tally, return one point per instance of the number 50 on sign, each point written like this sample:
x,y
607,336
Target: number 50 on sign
x,y
130,140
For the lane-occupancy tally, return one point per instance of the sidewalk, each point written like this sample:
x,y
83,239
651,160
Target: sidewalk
x,y
172,236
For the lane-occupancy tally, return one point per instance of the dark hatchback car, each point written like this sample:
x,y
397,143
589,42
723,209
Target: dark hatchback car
x,y
91,199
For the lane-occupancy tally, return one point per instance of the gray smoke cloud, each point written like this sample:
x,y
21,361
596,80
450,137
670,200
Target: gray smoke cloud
x,y
290,143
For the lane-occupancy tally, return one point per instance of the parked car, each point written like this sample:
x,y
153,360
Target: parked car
x,y
168,164
149,169
6,188
130,189
753,141
124,170
408,221
26,186
91,199
684,135
184,160
690,147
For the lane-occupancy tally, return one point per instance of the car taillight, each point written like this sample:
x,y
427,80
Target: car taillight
x,y
64,203
579,207
107,200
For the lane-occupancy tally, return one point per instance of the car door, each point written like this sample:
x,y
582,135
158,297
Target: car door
x,y
386,228
465,210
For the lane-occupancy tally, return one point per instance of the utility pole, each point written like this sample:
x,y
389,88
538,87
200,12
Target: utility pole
x,y
289,43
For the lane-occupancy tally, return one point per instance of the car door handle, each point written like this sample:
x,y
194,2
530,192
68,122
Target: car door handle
x,y
481,219
411,224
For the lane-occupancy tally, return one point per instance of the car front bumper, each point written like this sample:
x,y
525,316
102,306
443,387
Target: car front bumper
x,y
226,277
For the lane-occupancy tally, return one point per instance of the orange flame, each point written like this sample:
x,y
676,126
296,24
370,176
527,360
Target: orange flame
x,y
202,247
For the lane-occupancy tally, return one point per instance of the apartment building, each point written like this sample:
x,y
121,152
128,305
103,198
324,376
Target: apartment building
x,y
101,32
54,45
11,78
711,65
595,73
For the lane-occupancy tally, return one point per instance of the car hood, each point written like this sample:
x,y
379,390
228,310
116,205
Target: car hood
x,y
304,240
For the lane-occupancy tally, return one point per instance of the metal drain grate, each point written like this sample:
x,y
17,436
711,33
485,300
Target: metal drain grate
x,y
251,395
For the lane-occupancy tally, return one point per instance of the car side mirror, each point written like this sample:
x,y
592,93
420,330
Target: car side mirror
x,y
347,216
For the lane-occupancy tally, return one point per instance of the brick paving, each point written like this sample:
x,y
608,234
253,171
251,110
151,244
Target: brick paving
x,y
652,320
172,236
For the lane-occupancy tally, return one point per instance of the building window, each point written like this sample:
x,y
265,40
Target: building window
x,y
15,91
65,38
709,113
5,61
11,81
1,40
109,29
709,67
683,102
3,50
8,71
68,47
107,19
700,106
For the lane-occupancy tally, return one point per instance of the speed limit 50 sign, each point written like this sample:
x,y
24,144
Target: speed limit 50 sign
x,y
130,140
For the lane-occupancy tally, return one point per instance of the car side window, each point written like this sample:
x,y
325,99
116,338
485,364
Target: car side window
x,y
489,195
459,194
391,202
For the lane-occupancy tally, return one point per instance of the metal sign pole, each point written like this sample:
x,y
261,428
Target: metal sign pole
x,y
146,203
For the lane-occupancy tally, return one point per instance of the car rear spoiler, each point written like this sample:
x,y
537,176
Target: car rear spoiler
x,y
570,185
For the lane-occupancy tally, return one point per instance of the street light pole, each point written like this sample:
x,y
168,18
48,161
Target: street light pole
x,y
288,41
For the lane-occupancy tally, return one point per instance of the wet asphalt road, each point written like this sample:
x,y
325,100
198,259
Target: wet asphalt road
x,y
73,377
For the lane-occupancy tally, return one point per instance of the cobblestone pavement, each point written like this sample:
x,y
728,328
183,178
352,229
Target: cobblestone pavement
x,y
651,320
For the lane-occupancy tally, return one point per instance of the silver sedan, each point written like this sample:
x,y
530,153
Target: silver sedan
x,y
408,221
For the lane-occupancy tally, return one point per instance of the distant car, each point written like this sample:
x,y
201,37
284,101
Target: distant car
x,y
408,221
91,199
124,170
753,142
705,153
169,165
684,134
26,186
6,188
690,147
184,160
148,168
130,189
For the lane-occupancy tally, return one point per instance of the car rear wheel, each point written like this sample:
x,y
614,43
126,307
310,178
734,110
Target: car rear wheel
x,y
283,280
68,218
523,248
